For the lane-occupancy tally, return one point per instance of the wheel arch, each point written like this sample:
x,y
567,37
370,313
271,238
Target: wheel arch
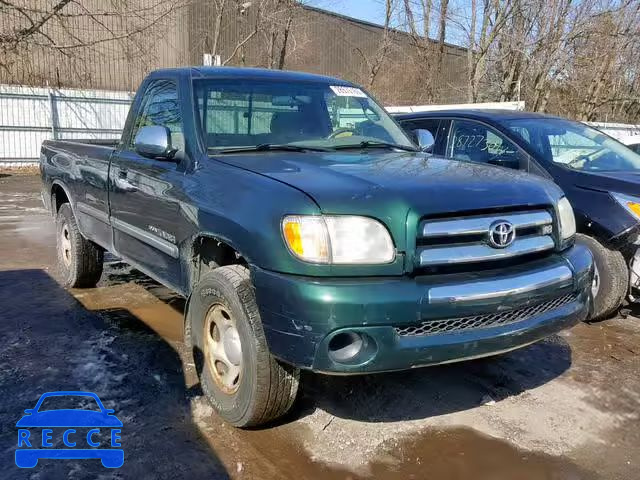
x,y
59,196
209,251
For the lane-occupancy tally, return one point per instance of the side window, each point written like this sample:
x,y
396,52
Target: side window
x,y
477,142
160,106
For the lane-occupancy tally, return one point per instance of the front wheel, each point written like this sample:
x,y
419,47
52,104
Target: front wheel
x,y
243,382
611,278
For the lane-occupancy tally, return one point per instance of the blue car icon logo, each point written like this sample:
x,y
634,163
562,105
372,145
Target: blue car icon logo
x,y
64,433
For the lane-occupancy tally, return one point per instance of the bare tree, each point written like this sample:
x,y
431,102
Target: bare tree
x,y
614,37
278,23
244,16
442,31
375,61
493,16
578,59
74,31
423,47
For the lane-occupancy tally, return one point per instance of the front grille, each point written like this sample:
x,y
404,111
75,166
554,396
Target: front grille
x,y
459,241
449,325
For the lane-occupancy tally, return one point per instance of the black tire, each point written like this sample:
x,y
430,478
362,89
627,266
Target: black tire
x,y
266,388
80,261
613,276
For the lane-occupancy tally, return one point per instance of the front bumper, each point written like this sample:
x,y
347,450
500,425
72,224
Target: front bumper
x,y
301,315
628,243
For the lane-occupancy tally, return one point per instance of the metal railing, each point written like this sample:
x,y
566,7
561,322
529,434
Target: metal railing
x,y
30,115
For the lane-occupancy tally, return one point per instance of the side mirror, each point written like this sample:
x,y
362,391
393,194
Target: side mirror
x,y
154,141
425,139
29,411
109,411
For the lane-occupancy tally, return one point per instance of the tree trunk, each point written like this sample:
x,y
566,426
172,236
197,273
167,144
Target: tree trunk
x,y
285,39
216,28
471,50
442,33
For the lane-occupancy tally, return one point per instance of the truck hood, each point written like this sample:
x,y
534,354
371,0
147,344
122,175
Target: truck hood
x,y
397,187
342,182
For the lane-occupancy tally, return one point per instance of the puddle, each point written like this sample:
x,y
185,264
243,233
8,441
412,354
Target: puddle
x,y
140,304
27,231
454,454
465,454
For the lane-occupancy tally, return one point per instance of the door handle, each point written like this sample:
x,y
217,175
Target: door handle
x,y
123,184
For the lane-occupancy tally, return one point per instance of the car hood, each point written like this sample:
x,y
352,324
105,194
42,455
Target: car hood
x,y
596,210
397,187
69,418
621,182
338,182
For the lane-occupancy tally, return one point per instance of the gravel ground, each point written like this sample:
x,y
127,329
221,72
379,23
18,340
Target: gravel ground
x,y
563,408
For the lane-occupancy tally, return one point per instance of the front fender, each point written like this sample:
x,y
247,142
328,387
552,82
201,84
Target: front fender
x,y
245,209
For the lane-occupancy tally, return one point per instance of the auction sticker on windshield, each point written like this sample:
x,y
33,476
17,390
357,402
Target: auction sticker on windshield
x,y
342,91
54,430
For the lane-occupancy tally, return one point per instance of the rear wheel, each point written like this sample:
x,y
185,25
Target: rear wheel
x,y
611,278
80,261
243,382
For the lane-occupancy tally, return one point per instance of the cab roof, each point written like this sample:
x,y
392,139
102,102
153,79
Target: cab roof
x,y
248,73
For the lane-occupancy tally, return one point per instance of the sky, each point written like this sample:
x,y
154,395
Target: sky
x,y
374,11
369,10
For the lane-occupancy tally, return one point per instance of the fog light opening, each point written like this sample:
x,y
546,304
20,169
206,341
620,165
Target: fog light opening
x,y
345,346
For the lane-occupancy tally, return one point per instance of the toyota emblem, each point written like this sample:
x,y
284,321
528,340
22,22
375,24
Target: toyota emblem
x,y
501,234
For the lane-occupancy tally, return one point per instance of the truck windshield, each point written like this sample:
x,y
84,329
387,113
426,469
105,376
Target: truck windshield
x,y
574,145
265,115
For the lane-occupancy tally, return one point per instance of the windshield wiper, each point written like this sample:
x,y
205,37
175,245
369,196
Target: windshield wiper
x,y
371,144
269,147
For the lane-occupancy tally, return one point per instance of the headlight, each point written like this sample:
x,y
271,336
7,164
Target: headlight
x,y
567,219
338,239
630,204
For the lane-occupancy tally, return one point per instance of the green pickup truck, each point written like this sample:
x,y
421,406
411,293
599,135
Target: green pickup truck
x,y
306,241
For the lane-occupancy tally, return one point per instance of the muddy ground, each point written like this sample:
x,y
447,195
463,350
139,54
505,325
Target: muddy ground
x,y
565,408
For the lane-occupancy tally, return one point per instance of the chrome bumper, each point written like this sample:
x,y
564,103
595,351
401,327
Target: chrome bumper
x,y
556,277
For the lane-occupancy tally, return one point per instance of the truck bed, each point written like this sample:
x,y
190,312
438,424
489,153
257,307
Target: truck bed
x,y
80,169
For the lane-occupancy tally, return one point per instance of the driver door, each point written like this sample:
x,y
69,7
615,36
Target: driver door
x,y
145,195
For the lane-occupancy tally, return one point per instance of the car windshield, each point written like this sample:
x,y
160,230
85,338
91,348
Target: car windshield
x,y
265,115
574,145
